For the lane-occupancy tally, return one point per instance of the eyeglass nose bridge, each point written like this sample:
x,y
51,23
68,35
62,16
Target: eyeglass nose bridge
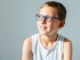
x,y
45,18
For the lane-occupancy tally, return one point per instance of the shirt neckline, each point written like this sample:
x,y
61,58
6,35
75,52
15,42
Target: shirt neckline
x,y
52,48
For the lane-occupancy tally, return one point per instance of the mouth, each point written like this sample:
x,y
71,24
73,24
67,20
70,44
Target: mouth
x,y
43,27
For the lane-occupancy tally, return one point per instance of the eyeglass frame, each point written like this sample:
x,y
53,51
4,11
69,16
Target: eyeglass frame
x,y
46,17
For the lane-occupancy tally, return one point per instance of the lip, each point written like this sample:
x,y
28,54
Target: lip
x,y
43,27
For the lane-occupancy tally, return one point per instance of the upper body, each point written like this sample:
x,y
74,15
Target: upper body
x,y
50,20
27,49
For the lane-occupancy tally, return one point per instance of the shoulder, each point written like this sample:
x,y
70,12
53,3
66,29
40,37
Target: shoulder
x,y
28,43
28,40
67,51
67,45
27,49
67,42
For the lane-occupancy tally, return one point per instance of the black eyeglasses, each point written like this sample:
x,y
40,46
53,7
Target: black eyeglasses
x,y
46,18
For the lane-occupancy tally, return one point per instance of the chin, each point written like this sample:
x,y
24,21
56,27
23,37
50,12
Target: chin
x,y
43,33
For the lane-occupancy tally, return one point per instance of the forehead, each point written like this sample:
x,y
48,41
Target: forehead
x,y
48,11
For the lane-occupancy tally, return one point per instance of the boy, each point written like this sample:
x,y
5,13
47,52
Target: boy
x,y
48,44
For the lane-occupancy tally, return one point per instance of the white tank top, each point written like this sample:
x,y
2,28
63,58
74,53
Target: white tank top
x,y
40,53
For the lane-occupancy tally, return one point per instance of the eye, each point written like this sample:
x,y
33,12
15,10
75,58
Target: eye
x,y
48,17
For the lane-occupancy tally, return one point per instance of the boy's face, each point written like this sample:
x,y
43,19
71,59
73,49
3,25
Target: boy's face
x,y
51,27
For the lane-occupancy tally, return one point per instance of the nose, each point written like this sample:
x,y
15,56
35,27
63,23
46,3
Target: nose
x,y
43,21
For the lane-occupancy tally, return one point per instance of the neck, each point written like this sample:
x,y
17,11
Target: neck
x,y
48,38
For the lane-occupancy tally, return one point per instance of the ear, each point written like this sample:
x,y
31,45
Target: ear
x,y
62,23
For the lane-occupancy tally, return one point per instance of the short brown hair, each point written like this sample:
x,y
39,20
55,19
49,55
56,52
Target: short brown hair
x,y
60,8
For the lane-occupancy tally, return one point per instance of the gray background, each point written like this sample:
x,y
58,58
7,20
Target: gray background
x,y
17,22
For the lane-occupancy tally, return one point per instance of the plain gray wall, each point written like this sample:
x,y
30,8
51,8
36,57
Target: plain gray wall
x,y
17,22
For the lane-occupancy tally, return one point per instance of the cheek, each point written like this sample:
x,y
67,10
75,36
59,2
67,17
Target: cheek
x,y
38,24
53,26
50,26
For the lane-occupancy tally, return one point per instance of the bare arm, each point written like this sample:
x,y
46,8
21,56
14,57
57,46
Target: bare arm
x,y
27,49
67,50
